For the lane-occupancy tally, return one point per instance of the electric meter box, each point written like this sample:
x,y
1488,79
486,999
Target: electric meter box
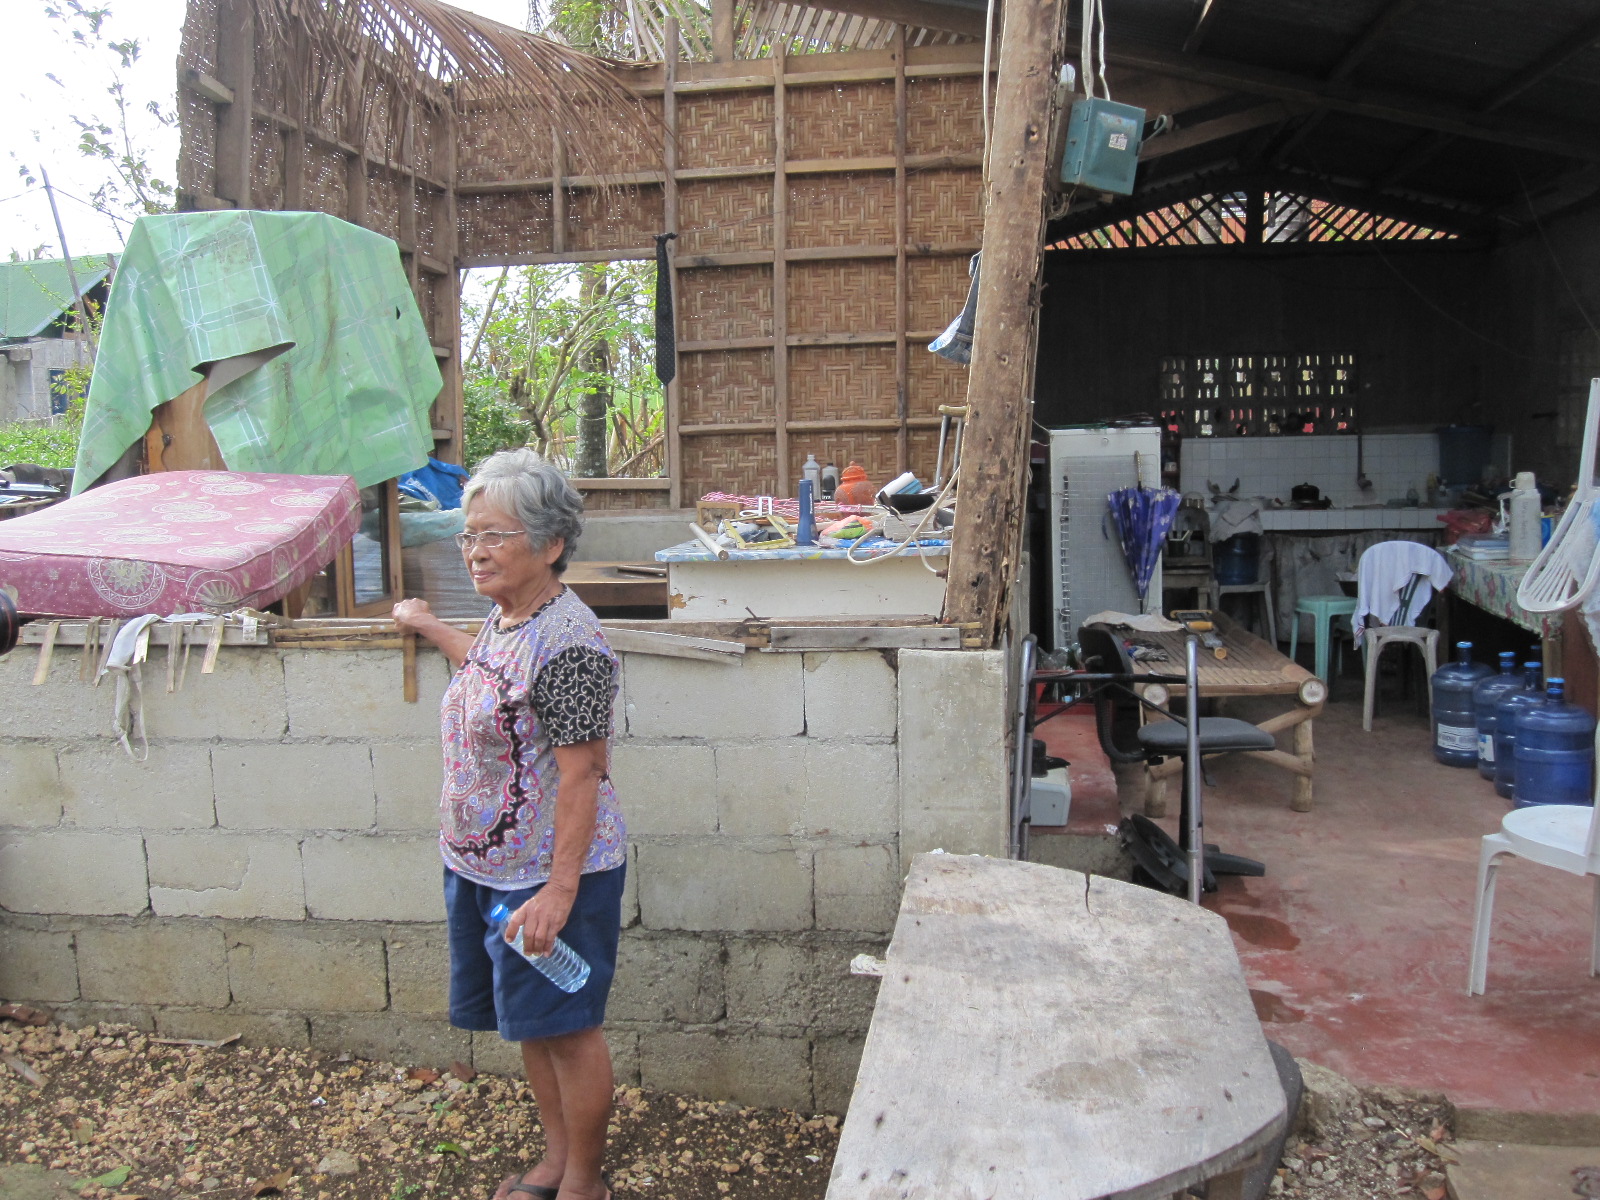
x,y
1102,150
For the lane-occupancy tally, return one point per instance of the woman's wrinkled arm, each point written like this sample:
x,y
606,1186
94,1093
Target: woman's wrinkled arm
x,y
415,616
582,766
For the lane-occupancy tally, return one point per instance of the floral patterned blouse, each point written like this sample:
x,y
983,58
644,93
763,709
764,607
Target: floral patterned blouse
x,y
524,690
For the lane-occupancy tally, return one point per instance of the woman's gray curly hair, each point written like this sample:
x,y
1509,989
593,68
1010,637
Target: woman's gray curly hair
x,y
536,492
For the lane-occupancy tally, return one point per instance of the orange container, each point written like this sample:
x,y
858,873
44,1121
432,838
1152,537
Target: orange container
x,y
854,487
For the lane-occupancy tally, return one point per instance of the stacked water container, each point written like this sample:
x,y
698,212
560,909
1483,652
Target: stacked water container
x,y
1486,696
1554,752
1455,720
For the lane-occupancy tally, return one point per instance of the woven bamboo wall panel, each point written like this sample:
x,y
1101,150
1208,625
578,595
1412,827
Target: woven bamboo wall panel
x,y
622,149
609,500
491,148
932,381
515,223
385,194
326,185
878,452
724,216
725,129
719,387
422,207
840,120
744,463
922,449
944,207
842,296
936,289
841,383
852,209
614,219
266,168
197,116
944,116
720,303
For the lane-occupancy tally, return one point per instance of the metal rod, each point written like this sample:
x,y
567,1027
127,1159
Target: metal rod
x,y
1192,777
72,275
1022,757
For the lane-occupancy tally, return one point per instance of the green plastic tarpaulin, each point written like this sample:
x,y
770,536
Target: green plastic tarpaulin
x,y
305,325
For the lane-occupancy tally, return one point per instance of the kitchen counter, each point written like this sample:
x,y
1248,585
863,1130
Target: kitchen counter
x,y
1318,520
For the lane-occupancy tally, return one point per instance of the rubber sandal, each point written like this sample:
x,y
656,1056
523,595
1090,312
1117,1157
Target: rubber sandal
x,y
535,1191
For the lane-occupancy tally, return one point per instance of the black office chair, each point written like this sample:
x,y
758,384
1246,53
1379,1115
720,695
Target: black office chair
x,y
1170,865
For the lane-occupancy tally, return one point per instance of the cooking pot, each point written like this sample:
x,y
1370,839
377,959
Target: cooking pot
x,y
1304,493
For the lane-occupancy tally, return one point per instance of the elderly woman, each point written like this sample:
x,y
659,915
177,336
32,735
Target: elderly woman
x,y
529,818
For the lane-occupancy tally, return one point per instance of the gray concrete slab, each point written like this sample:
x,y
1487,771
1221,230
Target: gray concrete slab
x,y
1508,1171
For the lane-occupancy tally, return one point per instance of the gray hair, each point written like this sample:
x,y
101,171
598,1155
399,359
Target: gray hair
x,y
536,492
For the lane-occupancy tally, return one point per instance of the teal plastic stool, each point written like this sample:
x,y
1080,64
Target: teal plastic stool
x,y
1322,610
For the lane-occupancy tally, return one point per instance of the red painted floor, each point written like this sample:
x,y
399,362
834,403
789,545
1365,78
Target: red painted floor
x,y
1356,941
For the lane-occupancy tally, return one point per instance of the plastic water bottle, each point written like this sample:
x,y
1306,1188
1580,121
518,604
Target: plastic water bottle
x,y
1555,752
1522,521
1455,721
561,966
1486,697
1505,727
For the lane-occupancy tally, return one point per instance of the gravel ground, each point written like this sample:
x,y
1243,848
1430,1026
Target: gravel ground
x,y
119,1115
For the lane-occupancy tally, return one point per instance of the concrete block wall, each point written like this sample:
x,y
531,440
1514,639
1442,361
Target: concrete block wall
x,y
272,868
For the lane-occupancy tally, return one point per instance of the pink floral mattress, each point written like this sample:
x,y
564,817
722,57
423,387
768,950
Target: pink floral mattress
x,y
183,541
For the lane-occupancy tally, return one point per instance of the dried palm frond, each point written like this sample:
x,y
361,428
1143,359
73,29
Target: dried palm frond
x,y
365,67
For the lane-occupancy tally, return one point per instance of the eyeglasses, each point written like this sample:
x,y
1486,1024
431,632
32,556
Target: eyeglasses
x,y
489,539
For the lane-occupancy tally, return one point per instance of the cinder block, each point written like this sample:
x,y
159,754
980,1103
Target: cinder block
x,y
286,1030
73,871
153,962
169,790
216,874
493,1055
667,978
835,1062
850,694
419,972
793,986
293,786
31,794
395,877
770,1072
630,888
357,694
858,887
761,787
710,886
298,968
391,1037
958,831
760,696
76,1016
953,734
37,965
852,790
624,1044
242,700
665,789
409,780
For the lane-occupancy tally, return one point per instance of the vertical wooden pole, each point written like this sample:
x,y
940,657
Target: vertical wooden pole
x,y
902,349
407,220
447,313
236,67
669,118
355,169
558,193
722,30
294,102
780,271
986,555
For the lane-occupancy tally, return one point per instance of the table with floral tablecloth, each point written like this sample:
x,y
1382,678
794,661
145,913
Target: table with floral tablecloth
x,y
1492,586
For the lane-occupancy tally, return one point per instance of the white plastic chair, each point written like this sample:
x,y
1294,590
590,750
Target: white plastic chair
x,y
1564,836
1399,611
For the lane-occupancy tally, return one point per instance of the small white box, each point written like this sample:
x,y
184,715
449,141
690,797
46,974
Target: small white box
x,y
1051,797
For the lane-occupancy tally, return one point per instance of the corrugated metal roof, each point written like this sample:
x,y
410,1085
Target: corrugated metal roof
x,y
34,293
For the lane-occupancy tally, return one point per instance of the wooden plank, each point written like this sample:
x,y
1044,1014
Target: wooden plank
x,y
1120,1015
236,64
902,350
722,30
986,555
780,270
71,633
211,88
670,200
672,645
179,438
865,637
603,585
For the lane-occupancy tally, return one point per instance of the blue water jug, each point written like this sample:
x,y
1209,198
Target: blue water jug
x,y
1505,727
1455,720
1555,752
1238,559
1486,697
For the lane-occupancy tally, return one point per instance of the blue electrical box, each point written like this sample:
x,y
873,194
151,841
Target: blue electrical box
x,y
1102,150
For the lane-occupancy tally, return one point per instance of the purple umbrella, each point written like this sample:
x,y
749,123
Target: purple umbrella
x,y
1143,516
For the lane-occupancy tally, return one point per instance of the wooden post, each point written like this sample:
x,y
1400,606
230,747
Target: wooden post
x,y
902,348
236,67
994,468
722,30
669,118
447,304
780,270
1305,751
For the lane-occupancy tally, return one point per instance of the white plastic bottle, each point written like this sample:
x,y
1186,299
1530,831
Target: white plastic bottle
x,y
562,966
1522,525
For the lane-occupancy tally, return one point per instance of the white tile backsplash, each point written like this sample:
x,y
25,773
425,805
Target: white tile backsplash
x,y
1271,466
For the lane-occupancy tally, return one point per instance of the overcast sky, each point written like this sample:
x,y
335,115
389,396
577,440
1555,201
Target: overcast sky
x,y
35,113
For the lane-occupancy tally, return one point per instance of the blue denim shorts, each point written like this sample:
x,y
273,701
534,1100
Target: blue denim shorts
x,y
495,989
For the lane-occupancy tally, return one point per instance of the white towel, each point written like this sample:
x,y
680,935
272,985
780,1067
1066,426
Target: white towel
x,y
1385,571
